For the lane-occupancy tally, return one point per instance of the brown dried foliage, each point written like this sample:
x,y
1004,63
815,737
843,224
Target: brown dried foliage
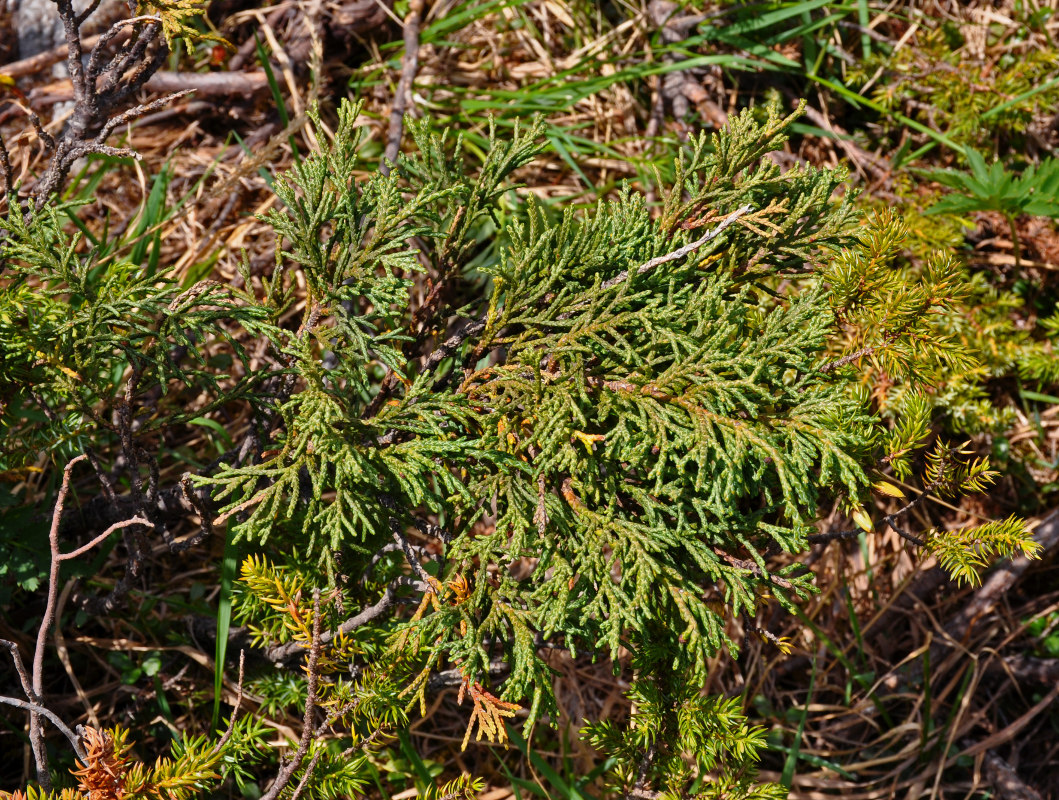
x,y
103,776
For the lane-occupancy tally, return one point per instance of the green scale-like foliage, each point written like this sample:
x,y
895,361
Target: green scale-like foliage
x,y
604,431
641,432
659,420
84,335
599,435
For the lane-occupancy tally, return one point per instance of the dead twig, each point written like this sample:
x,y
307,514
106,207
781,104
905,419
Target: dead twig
x,y
209,84
679,253
1007,783
409,67
890,520
37,710
312,670
5,169
1027,668
33,683
102,83
283,652
34,64
235,709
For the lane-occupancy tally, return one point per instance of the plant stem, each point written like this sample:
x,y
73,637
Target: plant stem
x,y
1015,243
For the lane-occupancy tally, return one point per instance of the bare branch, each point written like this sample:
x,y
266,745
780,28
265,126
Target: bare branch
x,y
409,67
138,111
46,138
20,668
74,51
409,554
369,614
889,520
36,734
99,87
88,12
98,52
102,537
235,709
847,359
288,769
362,743
35,690
37,711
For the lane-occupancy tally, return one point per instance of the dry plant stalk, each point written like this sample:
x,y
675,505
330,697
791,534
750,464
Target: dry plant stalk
x,y
33,683
103,83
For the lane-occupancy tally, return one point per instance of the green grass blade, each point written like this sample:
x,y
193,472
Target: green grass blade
x,y
843,659
863,21
453,20
1040,398
858,100
792,755
229,568
1019,98
564,154
563,789
153,213
421,769
277,96
754,21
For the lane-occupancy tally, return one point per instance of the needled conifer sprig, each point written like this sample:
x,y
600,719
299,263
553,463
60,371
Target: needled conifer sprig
x,y
904,331
896,324
111,772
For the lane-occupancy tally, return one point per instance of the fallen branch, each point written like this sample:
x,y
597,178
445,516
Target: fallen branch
x,y
209,84
1027,669
34,64
1007,783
